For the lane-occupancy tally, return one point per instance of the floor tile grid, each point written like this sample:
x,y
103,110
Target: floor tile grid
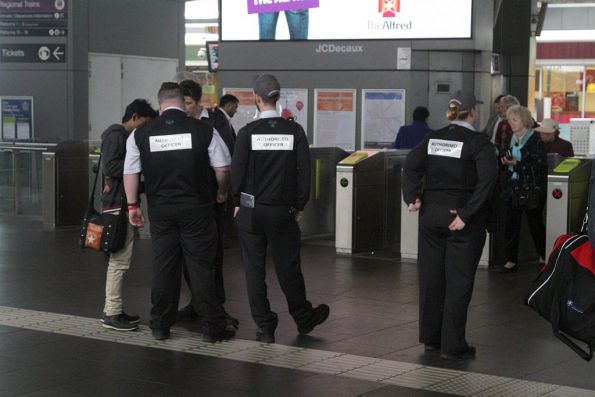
x,y
311,360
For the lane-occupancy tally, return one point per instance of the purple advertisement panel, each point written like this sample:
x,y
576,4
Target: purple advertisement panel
x,y
262,6
9,6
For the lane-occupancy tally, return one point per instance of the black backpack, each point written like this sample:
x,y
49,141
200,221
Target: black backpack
x,y
564,292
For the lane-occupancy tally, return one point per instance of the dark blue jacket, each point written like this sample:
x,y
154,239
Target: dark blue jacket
x,y
409,136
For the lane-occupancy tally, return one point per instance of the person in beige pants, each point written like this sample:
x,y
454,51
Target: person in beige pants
x,y
113,153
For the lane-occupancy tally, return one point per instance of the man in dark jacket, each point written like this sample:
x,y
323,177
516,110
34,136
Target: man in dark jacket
x,y
113,152
410,135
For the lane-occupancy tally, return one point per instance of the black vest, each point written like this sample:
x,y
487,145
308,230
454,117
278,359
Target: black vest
x,y
451,173
175,163
272,174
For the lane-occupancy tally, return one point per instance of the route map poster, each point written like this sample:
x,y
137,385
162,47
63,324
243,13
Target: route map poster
x,y
383,113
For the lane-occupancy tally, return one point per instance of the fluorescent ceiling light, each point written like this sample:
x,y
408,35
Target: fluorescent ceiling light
x,y
566,35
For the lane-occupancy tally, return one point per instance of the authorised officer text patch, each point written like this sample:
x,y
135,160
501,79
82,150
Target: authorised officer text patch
x,y
164,143
442,147
272,142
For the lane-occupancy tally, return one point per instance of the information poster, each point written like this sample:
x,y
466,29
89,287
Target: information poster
x,y
293,102
383,113
17,118
334,118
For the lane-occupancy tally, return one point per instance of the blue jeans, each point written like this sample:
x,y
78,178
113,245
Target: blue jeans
x,y
297,21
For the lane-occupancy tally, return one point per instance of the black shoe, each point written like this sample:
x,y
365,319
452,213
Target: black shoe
x,y
187,313
265,335
505,270
319,315
218,337
119,323
430,347
160,334
131,318
463,354
231,321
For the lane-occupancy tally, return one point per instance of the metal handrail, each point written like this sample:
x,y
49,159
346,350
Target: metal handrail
x,y
35,147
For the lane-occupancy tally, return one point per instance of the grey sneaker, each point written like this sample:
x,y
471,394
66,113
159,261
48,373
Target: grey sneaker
x,y
119,323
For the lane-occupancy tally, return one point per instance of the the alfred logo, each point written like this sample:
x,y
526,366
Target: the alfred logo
x,y
334,48
389,8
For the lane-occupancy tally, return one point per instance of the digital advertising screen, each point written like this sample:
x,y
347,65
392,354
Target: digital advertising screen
x,y
253,20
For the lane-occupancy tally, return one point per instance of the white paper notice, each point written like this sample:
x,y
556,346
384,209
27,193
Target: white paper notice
x,y
334,121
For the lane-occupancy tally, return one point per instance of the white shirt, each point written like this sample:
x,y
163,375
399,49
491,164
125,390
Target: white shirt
x,y
268,114
225,113
463,124
218,152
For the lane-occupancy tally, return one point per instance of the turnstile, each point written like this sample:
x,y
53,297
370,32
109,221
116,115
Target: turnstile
x,y
368,190
65,194
567,198
318,220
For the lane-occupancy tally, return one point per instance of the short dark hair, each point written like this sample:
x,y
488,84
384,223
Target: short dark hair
x,y
499,97
192,89
421,114
170,90
228,98
141,108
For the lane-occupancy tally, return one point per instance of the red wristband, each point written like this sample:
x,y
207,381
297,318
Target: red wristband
x,y
133,206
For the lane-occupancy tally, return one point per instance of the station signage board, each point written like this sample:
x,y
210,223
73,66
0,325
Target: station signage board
x,y
30,18
33,53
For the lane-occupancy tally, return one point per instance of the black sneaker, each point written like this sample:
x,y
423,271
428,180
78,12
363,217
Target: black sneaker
x,y
218,337
462,354
319,315
160,334
119,323
131,318
187,313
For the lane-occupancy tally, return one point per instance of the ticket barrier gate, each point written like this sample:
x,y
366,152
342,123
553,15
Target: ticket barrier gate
x,y
567,198
318,220
65,198
368,187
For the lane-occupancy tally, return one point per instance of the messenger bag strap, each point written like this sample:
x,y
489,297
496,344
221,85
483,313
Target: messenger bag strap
x,y
92,197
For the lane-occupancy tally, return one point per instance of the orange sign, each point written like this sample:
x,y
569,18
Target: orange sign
x,y
335,101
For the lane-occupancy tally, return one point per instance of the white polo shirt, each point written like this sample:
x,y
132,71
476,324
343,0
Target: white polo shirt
x,y
218,152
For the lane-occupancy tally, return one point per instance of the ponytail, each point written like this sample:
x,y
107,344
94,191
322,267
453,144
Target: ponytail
x,y
454,113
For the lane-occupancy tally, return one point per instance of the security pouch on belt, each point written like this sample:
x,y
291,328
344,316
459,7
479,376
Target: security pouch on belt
x,y
247,200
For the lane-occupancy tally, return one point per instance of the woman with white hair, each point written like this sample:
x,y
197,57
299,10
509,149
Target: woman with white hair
x,y
525,186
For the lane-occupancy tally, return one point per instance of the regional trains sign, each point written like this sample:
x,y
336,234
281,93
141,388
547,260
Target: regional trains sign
x,y
33,18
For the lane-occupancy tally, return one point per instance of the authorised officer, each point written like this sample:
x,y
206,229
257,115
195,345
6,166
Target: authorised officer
x,y
459,167
271,186
175,152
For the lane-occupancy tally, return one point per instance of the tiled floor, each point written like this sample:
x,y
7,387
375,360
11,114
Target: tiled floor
x,y
373,314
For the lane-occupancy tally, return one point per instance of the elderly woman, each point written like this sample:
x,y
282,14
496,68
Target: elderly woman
x,y
525,186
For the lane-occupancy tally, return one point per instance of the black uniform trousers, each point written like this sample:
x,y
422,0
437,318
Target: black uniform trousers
x,y
513,230
193,243
220,214
447,265
275,226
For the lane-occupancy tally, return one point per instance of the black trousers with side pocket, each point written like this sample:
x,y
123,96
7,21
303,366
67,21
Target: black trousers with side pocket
x,y
447,265
193,243
273,226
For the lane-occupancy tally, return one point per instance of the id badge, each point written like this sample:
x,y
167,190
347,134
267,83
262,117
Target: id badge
x,y
246,200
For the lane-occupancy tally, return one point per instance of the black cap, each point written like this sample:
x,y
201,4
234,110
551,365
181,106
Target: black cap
x,y
465,99
266,86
